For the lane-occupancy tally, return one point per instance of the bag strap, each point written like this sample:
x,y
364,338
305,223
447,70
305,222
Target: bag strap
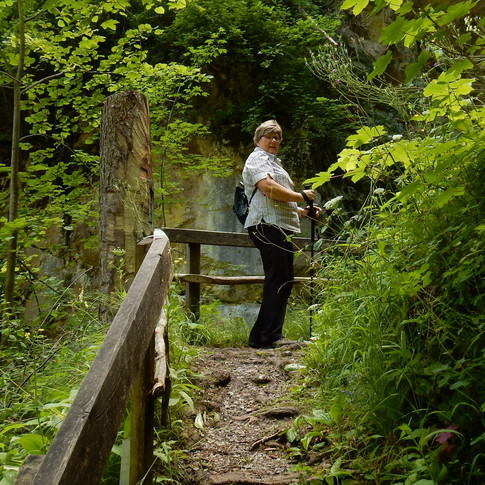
x,y
252,195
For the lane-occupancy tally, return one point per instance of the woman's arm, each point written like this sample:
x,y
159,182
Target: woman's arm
x,y
275,191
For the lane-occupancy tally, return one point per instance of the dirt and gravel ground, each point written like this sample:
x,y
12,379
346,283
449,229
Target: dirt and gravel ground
x,y
236,435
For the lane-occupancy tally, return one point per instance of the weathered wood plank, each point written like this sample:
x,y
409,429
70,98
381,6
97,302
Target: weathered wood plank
x,y
29,469
142,422
192,290
82,445
228,280
218,238
161,357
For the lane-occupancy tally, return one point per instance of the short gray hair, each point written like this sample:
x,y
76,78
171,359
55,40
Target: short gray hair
x,y
270,126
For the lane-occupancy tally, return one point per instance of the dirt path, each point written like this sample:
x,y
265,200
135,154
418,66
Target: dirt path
x,y
243,410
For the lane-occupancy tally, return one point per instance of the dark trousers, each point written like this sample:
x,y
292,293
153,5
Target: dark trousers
x,y
276,251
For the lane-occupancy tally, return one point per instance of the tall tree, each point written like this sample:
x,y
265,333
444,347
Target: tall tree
x,y
16,78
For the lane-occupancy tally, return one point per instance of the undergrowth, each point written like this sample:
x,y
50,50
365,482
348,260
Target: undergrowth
x,y
43,364
398,355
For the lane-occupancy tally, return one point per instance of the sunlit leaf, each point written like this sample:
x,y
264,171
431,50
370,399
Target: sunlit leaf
x,y
320,179
356,5
109,24
365,135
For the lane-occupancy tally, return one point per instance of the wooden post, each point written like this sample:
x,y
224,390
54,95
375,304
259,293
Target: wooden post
x,y
126,184
140,444
142,409
193,289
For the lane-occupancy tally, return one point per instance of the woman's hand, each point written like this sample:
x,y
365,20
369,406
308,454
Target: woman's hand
x,y
308,195
304,211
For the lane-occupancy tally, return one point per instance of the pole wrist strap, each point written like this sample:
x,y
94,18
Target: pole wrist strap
x,y
305,197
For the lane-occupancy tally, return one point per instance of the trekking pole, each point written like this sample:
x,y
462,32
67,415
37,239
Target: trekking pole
x,y
312,216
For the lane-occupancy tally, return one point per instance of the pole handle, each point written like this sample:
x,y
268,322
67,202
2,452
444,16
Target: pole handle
x,y
311,212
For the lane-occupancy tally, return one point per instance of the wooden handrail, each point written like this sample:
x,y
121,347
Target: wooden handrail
x,y
194,238
218,238
229,280
80,450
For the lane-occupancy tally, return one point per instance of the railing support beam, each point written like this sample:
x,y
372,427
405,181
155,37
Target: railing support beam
x,y
193,289
142,412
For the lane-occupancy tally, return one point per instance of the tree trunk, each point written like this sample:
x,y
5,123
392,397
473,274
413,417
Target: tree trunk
x,y
14,163
126,186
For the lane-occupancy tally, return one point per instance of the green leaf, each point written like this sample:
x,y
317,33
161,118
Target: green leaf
x,y
480,438
464,38
320,179
410,190
336,409
462,86
356,5
394,4
365,135
357,175
348,4
292,435
160,10
459,66
459,384
412,70
187,399
439,87
109,24
380,65
33,443
395,31
448,194
177,4
456,11
323,417
405,8
307,439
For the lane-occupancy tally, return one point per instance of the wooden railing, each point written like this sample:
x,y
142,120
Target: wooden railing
x,y
125,369
122,369
194,239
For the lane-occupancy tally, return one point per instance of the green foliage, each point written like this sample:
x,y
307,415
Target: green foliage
x,y
261,49
40,376
400,330
77,53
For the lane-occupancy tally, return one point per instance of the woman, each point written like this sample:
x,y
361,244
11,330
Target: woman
x,y
273,218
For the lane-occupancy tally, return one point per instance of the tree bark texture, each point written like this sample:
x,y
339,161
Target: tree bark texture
x,y
126,184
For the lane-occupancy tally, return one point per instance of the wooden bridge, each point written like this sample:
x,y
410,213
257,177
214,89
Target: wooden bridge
x,y
131,367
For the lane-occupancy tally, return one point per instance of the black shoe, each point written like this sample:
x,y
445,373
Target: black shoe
x,y
286,342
